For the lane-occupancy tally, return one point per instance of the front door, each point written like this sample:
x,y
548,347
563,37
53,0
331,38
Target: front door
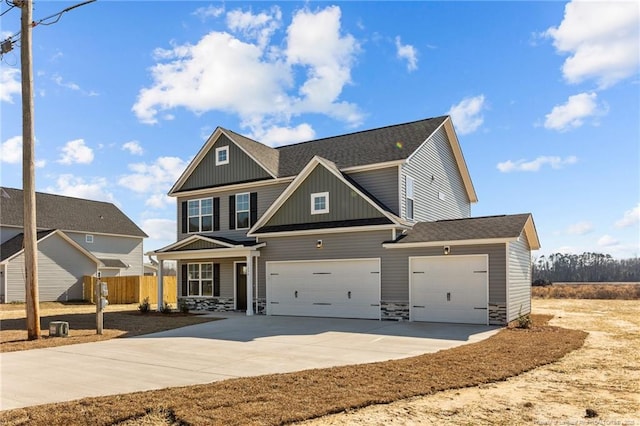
x,y
241,286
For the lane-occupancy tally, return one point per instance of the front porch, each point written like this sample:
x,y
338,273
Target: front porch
x,y
214,274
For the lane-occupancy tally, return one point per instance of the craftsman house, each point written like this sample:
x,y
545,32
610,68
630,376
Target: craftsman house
x,y
375,224
76,237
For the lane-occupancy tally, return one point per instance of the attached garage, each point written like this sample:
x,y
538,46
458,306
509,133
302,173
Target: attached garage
x,y
449,288
340,288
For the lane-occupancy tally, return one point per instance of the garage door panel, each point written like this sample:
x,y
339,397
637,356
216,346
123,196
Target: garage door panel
x,y
330,288
449,289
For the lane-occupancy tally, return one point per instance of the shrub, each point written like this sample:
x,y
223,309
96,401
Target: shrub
x,y
524,321
183,306
145,306
166,308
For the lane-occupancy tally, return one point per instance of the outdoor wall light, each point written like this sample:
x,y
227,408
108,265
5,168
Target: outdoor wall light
x,y
447,249
319,244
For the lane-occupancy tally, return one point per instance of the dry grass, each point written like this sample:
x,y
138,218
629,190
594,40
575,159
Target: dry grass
x,y
284,398
588,291
119,321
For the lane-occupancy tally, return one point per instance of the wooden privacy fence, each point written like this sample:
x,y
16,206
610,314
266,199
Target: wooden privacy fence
x,y
132,289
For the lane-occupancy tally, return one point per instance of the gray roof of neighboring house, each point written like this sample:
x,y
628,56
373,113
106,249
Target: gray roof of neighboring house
x,y
15,244
380,145
476,228
68,214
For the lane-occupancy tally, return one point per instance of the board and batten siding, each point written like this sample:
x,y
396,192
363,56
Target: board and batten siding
x,y
519,278
395,269
439,191
61,268
348,245
382,184
344,202
241,168
127,249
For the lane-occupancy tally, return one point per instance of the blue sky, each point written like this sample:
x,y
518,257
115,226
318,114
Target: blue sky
x,y
545,98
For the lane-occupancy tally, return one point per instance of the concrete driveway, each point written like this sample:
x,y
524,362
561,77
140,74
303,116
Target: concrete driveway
x,y
238,346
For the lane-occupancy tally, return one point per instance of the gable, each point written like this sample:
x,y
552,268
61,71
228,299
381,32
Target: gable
x,y
200,245
345,204
240,168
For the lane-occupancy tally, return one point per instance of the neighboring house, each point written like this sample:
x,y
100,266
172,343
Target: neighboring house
x,y
375,224
76,237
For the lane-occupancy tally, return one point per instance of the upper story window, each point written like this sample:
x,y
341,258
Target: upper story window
x,y
200,214
88,238
409,195
222,155
242,211
320,203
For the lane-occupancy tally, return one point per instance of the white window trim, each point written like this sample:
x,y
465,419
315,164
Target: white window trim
x,y
248,210
200,280
316,195
412,197
199,216
88,238
218,150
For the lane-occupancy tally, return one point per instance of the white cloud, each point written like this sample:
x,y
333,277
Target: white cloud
x,y
535,165
573,113
12,150
159,229
602,40
467,115
630,218
9,84
154,177
277,136
408,53
580,228
76,152
208,12
133,147
74,186
159,201
607,241
57,79
255,80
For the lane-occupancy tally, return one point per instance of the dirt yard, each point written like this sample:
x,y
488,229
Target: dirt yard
x,y
603,376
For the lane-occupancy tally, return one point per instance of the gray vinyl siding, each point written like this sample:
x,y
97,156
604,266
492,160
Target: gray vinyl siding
x,y
519,278
267,194
348,245
435,159
241,168
381,184
227,282
344,203
395,269
6,233
61,268
128,249
2,284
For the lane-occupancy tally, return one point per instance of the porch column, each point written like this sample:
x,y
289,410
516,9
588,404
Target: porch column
x,y
160,285
249,284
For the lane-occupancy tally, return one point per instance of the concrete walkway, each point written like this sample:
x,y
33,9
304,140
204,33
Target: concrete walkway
x,y
238,346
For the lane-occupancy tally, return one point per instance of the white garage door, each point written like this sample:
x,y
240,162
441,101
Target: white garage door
x,y
327,288
449,289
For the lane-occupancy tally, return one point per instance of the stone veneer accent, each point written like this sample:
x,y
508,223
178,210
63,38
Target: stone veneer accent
x,y
217,304
497,314
398,311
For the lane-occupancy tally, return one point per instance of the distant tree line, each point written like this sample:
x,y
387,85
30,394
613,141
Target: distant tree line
x,y
585,267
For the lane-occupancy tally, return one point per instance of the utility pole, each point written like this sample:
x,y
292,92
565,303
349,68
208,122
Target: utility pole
x,y
28,174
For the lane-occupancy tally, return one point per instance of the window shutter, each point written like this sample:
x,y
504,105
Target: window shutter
x,y
185,278
253,208
184,217
232,212
216,214
216,279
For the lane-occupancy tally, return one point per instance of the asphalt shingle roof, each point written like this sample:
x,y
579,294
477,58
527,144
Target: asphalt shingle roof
x,y
15,244
68,214
488,227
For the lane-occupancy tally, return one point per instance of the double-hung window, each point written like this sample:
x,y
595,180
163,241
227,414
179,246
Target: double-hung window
x,y
320,203
409,196
200,279
242,211
200,215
